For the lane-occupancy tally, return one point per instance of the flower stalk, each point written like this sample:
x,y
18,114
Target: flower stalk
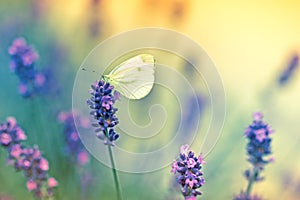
x,y
103,111
252,181
115,173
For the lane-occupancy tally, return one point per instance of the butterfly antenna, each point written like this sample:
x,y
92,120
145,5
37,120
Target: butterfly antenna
x,y
84,69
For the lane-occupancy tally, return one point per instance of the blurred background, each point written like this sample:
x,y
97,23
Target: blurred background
x,y
255,46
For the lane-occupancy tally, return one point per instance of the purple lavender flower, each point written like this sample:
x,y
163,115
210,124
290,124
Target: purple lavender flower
x,y
29,160
23,53
101,103
258,147
10,133
74,145
23,58
189,174
289,71
35,167
259,144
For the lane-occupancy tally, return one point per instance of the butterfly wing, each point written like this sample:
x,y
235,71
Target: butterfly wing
x,y
134,78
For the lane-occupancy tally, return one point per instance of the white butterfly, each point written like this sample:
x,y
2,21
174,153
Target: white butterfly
x,y
133,78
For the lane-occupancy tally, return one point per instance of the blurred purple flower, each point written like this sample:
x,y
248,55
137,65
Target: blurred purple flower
x,y
35,168
259,144
23,53
94,24
258,147
288,72
193,110
189,174
74,145
11,133
39,79
29,160
103,111
23,58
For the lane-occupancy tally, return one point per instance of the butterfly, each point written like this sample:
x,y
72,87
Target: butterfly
x,y
134,78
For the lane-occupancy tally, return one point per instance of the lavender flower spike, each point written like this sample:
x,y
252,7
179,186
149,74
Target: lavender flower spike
x,y
74,147
189,174
29,160
23,58
259,142
259,150
101,103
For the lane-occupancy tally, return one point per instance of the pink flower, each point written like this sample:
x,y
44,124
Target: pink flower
x,y
83,158
29,57
26,163
31,185
272,159
16,151
184,149
28,151
174,167
12,121
23,89
43,165
62,116
36,152
260,134
191,198
191,182
201,159
20,134
191,162
39,79
74,136
17,43
52,182
257,116
5,138
270,130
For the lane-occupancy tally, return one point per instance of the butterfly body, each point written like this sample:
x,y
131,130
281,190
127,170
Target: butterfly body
x,y
133,78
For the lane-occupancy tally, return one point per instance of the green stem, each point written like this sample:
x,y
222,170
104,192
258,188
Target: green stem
x,y
251,181
115,173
